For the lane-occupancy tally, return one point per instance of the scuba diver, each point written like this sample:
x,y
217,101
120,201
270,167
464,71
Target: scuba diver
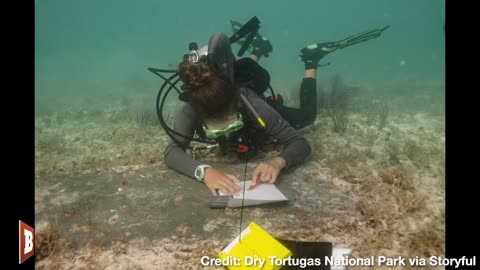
x,y
225,103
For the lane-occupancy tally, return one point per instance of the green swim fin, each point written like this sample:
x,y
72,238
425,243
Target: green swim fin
x,y
360,37
311,54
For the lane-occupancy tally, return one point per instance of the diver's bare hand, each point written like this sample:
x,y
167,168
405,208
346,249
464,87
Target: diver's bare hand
x,y
226,183
268,171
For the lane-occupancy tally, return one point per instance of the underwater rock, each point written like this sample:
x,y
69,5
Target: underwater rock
x,y
114,219
229,211
178,199
213,224
183,230
394,159
258,212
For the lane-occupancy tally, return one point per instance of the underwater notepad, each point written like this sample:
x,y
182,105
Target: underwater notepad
x,y
262,194
254,242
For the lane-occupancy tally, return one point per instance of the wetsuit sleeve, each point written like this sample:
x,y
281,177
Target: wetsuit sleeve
x,y
174,155
295,147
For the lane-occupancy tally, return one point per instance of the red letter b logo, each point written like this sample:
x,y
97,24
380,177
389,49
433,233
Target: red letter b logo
x,y
26,237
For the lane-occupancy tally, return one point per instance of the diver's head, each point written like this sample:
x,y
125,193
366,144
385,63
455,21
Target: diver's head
x,y
214,97
218,54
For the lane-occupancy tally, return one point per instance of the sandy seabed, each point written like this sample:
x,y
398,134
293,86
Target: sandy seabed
x,y
100,179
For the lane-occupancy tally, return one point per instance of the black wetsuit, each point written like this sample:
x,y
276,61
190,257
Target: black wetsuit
x,y
249,73
282,123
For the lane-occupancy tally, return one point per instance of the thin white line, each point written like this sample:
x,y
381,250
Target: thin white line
x,y
19,242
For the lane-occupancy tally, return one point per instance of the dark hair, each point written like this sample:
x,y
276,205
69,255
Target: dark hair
x,y
214,96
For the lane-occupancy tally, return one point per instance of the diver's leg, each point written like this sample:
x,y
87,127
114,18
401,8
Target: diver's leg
x,y
308,97
254,58
311,56
307,113
261,46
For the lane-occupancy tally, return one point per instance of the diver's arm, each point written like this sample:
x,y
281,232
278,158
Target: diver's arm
x,y
175,156
296,147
